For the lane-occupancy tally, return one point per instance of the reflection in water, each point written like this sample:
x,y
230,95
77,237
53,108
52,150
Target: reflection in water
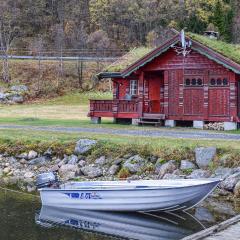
x,y
17,222
169,226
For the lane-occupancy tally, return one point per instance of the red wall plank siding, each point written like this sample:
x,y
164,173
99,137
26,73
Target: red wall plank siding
x,y
173,93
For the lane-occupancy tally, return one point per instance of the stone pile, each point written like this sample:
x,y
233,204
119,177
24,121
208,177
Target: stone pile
x,y
21,170
13,95
217,126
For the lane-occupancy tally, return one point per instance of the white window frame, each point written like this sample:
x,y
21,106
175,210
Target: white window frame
x,y
133,87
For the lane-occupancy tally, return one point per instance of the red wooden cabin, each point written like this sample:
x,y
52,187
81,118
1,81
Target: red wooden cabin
x,y
164,86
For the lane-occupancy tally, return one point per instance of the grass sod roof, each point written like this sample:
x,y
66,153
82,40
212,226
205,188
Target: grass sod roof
x,y
231,51
128,59
228,50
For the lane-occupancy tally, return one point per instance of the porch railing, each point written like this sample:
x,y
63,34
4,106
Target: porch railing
x,y
114,106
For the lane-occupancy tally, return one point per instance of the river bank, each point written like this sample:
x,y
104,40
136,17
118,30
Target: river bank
x,y
89,159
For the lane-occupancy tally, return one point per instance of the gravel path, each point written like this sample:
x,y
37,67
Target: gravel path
x,y
169,133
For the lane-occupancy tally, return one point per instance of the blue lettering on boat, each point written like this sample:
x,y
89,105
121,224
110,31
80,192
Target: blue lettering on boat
x,y
82,224
83,195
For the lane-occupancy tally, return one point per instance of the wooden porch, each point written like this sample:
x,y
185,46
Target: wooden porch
x,y
124,109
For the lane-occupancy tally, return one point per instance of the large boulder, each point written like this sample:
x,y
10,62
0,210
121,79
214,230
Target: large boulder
x,y
39,161
92,171
84,145
73,159
19,88
186,165
168,167
113,169
230,182
204,156
223,173
200,173
101,161
68,171
32,154
134,164
16,98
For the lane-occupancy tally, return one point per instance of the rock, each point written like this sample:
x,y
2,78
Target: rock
x,y
48,153
16,98
73,159
203,214
3,97
19,88
199,173
118,161
167,167
92,171
68,171
82,163
23,155
101,161
38,161
113,169
6,170
1,172
32,154
84,145
186,164
29,175
133,177
54,168
134,164
237,190
230,182
153,159
172,176
223,173
11,160
23,161
205,156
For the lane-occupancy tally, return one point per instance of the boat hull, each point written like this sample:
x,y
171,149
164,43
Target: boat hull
x,y
157,198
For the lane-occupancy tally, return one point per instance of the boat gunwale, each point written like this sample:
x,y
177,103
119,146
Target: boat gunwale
x,y
131,188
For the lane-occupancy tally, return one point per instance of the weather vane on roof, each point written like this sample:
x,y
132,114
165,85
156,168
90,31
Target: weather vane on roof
x,y
185,47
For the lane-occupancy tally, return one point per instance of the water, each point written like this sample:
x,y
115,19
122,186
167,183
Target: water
x,y
22,218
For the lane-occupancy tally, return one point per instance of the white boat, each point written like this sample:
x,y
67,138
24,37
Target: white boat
x,y
144,195
141,226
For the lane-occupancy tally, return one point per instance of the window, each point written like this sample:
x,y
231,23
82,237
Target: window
x,y
219,82
193,82
133,87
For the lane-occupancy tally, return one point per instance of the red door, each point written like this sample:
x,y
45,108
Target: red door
x,y
153,98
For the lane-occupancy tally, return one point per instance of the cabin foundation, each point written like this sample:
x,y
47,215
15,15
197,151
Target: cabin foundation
x,y
135,121
228,126
95,120
198,124
170,123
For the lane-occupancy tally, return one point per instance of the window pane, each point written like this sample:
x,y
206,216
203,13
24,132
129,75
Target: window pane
x,y
187,82
219,81
225,81
194,81
213,81
199,81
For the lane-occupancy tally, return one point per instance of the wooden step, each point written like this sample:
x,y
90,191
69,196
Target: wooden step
x,y
154,116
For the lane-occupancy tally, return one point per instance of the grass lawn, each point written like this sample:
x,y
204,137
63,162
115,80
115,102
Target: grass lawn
x,y
155,143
